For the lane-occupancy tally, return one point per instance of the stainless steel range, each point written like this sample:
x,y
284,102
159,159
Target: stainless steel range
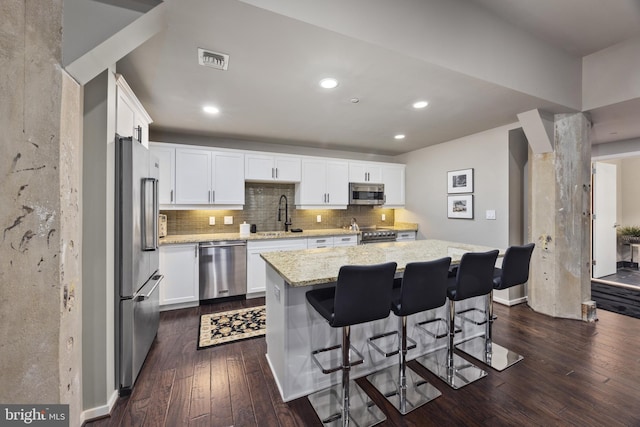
x,y
377,235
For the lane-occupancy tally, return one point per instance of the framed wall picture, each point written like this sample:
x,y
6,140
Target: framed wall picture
x,y
460,206
460,181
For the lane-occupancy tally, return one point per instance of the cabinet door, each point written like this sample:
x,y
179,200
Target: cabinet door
x,y
179,265
141,129
259,167
351,240
337,177
313,185
404,236
227,179
288,169
365,172
167,157
193,177
125,115
256,266
393,180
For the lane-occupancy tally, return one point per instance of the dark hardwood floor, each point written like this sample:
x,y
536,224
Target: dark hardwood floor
x,y
573,374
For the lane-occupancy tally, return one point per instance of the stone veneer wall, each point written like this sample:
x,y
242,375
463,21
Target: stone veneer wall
x,y
261,208
40,118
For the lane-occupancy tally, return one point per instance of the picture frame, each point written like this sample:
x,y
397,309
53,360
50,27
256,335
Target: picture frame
x,y
460,181
460,206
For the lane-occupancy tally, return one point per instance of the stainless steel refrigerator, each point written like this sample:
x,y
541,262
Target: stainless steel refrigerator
x,y
136,258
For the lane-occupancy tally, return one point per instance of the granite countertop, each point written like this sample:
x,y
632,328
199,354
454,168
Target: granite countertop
x,y
315,266
270,235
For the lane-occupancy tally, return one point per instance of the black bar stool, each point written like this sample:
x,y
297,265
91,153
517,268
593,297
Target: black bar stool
x,y
362,294
514,271
423,287
474,278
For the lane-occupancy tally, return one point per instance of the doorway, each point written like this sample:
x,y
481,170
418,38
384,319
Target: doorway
x,y
615,283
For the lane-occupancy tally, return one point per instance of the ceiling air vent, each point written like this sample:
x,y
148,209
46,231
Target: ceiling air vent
x,y
208,58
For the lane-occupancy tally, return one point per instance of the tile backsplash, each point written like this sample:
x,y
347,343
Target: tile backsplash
x,y
261,208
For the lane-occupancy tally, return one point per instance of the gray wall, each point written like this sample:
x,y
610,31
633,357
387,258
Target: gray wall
x,y
97,243
426,188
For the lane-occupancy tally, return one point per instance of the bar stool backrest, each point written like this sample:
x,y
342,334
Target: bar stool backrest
x,y
424,287
475,275
363,293
515,266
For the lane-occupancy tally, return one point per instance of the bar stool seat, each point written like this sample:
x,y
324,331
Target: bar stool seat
x,y
362,294
514,271
423,287
474,278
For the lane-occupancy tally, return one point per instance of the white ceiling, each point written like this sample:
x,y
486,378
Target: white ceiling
x,y
270,93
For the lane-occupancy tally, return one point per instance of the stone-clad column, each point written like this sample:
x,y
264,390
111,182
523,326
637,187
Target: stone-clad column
x,y
40,218
560,198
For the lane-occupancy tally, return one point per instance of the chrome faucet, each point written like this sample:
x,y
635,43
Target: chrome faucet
x,y
287,220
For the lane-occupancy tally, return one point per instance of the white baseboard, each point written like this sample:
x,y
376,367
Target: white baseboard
x,y
508,302
99,411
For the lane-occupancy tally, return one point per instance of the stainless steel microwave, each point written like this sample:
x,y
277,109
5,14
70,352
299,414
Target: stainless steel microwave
x,y
366,194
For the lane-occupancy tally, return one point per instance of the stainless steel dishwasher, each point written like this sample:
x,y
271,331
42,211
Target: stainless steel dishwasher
x,y
223,269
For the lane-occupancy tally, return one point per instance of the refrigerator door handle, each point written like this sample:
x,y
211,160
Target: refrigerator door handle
x,y
141,297
148,245
156,212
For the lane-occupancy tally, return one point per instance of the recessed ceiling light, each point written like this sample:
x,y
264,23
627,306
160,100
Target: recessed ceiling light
x,y
420,104
210,109
399,136
328,83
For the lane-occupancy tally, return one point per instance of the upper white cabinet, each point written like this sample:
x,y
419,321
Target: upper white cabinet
x,y
131,118
365,172
206,177
266,167
324,184
394,190
167,157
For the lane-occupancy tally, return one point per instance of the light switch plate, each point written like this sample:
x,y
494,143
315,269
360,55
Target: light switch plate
x,y
384,217
228,220
490,214
319,218
212,220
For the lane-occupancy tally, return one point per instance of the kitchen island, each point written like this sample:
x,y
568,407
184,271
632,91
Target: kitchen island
x,y
294,329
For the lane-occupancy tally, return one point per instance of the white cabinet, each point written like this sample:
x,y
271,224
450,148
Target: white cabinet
x,y
405,236
324,184
320,242
131,118
166,182
332,241
351,240
266,167
179,265
206,177
256,266
393,178
365,172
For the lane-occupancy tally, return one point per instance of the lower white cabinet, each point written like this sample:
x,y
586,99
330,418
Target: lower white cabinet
x,y
404,236
256,267
179,264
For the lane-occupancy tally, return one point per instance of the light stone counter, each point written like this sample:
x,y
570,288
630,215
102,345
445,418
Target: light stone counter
x,y
264,235
294,329
315,266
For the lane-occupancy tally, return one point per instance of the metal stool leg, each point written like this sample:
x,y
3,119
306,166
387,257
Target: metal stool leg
x,y
448,366
346,403
401,385
485,350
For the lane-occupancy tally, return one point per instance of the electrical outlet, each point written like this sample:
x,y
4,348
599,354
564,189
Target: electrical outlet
x,y
318,218
212,220
228,220
384,217
490,214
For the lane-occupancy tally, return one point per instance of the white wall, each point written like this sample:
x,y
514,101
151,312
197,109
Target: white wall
x,y
426,188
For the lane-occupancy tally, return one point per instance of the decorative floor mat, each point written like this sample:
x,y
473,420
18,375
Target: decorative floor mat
x,y
229,326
